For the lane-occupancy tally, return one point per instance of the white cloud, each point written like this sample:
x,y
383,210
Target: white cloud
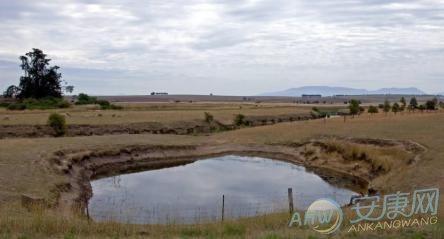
x,y
230,47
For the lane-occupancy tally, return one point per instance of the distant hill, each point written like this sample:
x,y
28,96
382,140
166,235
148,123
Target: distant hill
x,y
330,91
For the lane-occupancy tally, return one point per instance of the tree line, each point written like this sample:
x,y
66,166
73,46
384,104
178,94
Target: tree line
x,y
355,107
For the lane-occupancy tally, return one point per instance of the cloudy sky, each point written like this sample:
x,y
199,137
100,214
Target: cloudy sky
x,y
238,47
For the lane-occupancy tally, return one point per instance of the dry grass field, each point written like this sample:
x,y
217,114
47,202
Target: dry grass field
x,y
154,112
24,170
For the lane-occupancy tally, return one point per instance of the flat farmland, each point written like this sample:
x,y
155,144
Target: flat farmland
x,y
155,112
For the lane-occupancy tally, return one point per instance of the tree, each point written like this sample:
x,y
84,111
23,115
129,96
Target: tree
x,y
11,92
403,103
387,106
354,107
430,105
372,109
413,104
39,80
396,108
69,89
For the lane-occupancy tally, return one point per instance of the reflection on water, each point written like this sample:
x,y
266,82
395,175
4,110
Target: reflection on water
x,y
193,193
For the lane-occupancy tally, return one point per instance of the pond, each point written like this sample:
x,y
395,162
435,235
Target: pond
x,y
194,192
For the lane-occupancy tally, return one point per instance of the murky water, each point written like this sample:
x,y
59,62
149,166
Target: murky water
x,y
193,192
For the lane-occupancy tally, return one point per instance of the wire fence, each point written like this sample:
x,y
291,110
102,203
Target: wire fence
x,y
187,210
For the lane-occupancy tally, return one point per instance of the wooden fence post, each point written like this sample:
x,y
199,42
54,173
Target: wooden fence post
x,y
223,207
290,200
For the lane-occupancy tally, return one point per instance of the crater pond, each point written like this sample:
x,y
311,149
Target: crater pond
x,y
195,192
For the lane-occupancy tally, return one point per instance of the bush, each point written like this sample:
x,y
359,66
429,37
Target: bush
x,y
208,117
41,104
84,99
16,106
57,123
239,120
63,104
104,104
373,109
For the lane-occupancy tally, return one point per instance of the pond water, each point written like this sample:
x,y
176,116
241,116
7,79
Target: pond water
x,y
193,193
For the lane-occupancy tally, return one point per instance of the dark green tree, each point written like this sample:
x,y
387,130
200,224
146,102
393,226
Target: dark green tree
x,y
396,108
39,79
69,89
387,106
11,92
413,104
403,103
430,105
354,107
372,109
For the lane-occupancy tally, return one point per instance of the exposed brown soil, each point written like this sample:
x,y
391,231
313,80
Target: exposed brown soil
x,y
180,128
82,167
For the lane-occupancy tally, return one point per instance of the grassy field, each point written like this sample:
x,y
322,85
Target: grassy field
x,y
23,169
154,112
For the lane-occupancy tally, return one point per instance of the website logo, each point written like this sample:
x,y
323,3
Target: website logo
x,y
371,213
323,216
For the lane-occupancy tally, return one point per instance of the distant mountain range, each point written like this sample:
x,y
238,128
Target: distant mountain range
x,y
330,91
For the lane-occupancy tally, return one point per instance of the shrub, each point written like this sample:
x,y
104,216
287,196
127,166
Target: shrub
x,y
4,105
208,117
63,104
104,104
57,123
116,107
382,163
239,120
84,99
16,106
42,104
373,109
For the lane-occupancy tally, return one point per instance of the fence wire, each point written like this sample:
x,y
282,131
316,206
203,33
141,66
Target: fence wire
x,y
125,209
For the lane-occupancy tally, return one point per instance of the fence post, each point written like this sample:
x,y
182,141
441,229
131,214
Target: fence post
x,y
223,207
290,200
87,209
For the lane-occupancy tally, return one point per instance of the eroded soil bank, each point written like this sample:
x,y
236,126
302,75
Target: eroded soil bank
x,y
358,164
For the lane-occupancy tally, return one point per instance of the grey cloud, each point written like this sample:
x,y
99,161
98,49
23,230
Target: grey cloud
x,y
190,46
220,39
